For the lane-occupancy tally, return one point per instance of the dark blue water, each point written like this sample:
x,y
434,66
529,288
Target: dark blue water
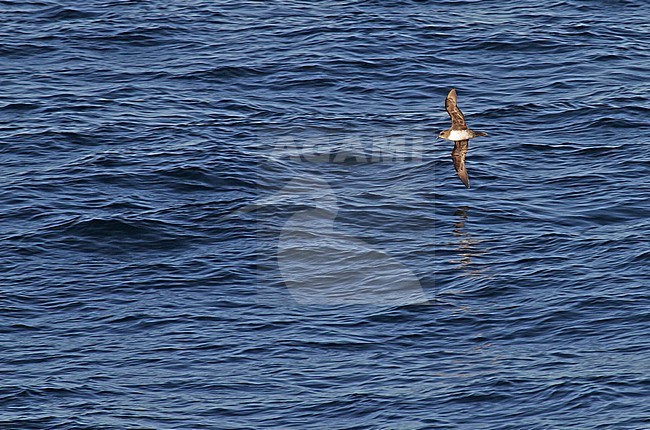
x,y
235,215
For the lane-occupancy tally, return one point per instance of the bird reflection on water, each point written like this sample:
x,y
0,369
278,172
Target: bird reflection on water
x,y
466,246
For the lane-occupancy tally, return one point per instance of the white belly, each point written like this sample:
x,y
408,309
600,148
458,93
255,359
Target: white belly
x,y
460,135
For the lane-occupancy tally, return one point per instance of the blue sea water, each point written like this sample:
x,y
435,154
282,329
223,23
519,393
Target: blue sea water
x,y
236,215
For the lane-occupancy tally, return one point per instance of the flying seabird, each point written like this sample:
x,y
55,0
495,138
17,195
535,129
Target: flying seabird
x,y
460,134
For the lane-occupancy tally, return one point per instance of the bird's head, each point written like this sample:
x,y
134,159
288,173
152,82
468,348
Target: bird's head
x,y
444,134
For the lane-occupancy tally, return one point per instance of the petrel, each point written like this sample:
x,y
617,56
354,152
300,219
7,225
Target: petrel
x,y
460,134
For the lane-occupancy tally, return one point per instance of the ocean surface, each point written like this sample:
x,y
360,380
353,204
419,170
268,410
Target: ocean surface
x,y
236,215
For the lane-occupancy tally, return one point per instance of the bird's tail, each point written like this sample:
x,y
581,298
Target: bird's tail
x,y
480,134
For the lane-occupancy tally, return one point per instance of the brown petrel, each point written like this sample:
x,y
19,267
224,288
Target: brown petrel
x,y
460,134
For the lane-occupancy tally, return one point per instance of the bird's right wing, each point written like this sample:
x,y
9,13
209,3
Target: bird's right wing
x,y
458,154
457,117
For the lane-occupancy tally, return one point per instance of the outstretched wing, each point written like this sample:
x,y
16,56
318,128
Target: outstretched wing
x,y
457,117
458,154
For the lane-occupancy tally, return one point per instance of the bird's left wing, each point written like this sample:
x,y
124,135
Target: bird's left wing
x,y
458,154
